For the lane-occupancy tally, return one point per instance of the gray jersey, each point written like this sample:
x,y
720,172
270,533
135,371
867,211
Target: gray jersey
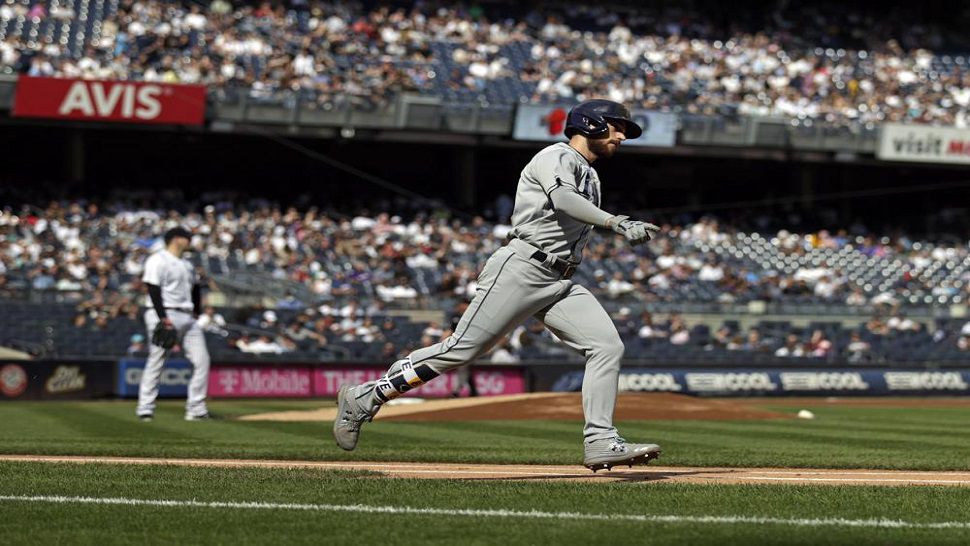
x,y
534,219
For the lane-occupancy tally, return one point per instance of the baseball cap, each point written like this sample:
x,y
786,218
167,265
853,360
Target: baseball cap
x,y
177,232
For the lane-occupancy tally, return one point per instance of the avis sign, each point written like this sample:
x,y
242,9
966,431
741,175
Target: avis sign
x,y
121,101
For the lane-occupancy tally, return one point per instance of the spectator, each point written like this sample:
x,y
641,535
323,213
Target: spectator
x,y
754,342
648,329
819,346
856,298
290,302
963,342
137,345
877,326
618,286
901,323
433,331
858,349
263,344
504,354
792,347
303,337
679,335
212,322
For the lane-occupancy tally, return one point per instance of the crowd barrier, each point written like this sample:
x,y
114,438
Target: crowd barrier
x,y
72,380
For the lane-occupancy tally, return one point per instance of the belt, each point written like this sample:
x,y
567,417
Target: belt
x,y
178,309
563,267
527,251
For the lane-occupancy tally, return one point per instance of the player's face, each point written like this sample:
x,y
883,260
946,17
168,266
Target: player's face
x,y
181,244
609,144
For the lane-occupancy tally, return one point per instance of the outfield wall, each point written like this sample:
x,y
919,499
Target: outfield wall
x,y
778,382
73,380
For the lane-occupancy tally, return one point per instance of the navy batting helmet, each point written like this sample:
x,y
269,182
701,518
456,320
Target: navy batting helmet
x,y
590,118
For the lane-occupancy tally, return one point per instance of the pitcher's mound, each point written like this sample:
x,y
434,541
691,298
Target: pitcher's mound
x,y
546,405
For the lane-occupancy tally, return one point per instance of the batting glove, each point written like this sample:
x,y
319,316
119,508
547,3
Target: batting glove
x,y
635,231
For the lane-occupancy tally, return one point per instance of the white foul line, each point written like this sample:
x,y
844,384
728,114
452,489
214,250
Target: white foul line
x,y
798,471
841,480
478,513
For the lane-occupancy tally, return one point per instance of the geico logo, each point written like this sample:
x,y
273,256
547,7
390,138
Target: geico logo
x,y
168,377
942,380
844,381
649,382
813,381
711,382
104,99
745,381
925,380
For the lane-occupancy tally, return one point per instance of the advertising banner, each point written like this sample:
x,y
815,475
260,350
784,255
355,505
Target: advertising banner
x,y
259,382
924,143
784,382
43,380
298,381
120,101
173,383
541,122
488,381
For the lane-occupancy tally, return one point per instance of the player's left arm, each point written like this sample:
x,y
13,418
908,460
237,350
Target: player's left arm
x,y
578,207
557,176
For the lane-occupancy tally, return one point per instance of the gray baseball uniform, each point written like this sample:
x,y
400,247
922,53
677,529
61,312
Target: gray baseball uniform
x,y
175,277
529,277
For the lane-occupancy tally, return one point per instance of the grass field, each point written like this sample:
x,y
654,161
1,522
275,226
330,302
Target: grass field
x,y
124,504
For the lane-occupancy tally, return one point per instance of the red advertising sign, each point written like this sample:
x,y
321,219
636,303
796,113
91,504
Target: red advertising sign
x,y
96,100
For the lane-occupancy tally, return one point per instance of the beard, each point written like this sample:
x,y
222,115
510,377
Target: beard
x,y
604,147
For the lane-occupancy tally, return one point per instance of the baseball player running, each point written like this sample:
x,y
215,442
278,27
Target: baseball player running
x,y
556,207
174,300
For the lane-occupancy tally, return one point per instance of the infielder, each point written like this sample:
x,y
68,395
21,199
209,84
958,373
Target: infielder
x,y
174,300
556,207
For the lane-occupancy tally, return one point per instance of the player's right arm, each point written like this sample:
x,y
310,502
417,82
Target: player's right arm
x,y
152,277
556,173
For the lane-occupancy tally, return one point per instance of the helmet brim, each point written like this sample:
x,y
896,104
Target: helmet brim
x,y
630,129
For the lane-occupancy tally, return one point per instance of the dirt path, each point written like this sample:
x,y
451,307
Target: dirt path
x,y
546,405
646,474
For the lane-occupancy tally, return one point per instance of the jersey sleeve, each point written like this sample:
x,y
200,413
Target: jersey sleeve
x,y
153,271
557,169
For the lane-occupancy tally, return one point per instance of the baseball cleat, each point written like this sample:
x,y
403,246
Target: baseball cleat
x,y
203,417
605,454
147,418
350,417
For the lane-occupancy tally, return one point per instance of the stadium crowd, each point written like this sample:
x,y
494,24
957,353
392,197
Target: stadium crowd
x,y
97,249
341,275
810,62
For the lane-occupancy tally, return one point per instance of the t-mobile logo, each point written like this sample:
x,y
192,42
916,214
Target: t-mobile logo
x,y
229,380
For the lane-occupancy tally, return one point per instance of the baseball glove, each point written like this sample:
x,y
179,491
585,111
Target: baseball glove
x,y
164,336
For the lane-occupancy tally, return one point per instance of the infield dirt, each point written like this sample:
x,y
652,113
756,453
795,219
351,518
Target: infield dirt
x,y
549,406
569,473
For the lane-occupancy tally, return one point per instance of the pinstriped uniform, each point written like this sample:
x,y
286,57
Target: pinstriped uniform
x,y
175,276
514,286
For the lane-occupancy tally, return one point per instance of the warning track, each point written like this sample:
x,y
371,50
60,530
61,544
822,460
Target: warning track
x,y
642,474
